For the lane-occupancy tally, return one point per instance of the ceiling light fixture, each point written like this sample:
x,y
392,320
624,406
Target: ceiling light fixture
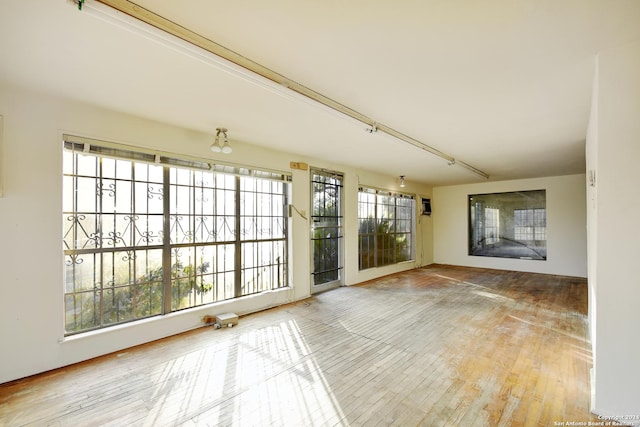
x,y
402,184
225,59
216,147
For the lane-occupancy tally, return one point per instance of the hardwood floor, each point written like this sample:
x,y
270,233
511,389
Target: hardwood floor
x,y
438,346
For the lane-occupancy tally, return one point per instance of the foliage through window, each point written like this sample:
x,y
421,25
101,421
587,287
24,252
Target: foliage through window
x,y
386,228
142,239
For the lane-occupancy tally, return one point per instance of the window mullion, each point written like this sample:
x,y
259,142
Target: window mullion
x,y
375,231
285,228
166,241
394,231
238,242
101,256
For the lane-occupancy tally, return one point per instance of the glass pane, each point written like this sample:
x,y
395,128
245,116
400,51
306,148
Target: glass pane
x,y
107,194
123,234
248,228
181,200
68,193
86,194
278,228
181,231
263,266
149,198
180,176
225,286
81,273
247,184
508,225
108,167
146,300
247,204
225,256
123,267
82,311
141,171
204,229
86,165
118,304
155,173
204,201
225,202
123,169
122,197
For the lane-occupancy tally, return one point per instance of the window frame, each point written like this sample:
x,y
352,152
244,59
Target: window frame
x,y
522,224
248,187
378,231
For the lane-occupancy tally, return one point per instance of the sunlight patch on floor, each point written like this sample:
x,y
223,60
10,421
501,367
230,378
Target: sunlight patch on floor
x,y
269,377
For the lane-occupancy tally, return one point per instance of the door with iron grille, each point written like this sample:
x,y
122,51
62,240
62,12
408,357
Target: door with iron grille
x,y
326,229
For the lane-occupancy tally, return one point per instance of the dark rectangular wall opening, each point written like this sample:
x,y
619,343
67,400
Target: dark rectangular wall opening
x,y
508,225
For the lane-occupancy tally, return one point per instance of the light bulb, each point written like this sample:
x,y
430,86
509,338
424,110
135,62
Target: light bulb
x,y
226,148
215,147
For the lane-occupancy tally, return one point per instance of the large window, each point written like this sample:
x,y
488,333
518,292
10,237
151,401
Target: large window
x,y
386,228
508,225
145,235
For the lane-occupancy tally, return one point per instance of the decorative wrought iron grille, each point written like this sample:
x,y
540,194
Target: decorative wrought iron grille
x,y
143,239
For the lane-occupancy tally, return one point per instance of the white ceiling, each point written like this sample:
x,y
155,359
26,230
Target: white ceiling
x,y
503,85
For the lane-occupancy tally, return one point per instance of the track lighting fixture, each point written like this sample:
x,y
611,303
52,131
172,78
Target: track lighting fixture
x,y
225,147
402,184
127,14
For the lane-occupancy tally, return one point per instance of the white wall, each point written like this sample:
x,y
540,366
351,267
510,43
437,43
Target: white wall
x,y
613,151
591,154
31,265
566,225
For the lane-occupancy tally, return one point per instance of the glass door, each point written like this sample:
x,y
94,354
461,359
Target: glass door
x,y
326,229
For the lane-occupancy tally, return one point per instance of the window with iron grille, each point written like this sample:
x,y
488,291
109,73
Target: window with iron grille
x,y
146,234
386,229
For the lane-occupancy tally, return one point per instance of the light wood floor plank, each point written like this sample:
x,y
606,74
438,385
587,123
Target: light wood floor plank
x,y
437,346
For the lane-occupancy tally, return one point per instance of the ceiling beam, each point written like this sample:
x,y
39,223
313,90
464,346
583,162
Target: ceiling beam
x,y
170,27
